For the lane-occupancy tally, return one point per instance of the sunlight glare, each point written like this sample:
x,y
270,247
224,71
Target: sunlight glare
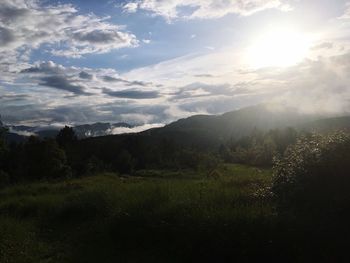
x,y
280,47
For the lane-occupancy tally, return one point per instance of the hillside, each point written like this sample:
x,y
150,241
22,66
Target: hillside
x,y
328,124
236,124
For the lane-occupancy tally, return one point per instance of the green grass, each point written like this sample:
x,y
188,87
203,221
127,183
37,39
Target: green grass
x,y
154,216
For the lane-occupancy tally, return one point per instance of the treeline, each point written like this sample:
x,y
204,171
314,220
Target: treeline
x,y
66,156
259,148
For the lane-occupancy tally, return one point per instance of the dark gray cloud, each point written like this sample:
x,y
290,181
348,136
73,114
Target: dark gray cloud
x,y
13,97
98,36
138,83
6,36
132,94
41,114
11,13
126,82
85,75
204,76
113,79
62,83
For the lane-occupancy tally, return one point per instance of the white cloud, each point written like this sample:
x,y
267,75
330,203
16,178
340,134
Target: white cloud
x,y
120,130
192,9
346,14
29,24
131,7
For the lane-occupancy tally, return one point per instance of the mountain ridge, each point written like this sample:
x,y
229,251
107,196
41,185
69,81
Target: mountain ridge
x,y
215,128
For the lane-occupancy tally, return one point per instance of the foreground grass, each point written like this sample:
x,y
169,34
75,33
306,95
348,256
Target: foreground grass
x,y
151,217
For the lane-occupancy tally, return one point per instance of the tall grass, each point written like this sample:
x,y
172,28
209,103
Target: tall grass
x,y
162,217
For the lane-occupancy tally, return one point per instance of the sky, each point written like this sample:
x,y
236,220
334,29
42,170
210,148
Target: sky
x,y
151,62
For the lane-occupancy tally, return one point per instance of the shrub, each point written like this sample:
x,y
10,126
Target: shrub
x,y
313,176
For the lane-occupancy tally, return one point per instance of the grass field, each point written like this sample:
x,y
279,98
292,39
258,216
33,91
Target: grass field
x,y
154,216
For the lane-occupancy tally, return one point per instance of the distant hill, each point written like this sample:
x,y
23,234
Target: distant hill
x,y
98,129
14,137
207,130
235,124
203,131
328,124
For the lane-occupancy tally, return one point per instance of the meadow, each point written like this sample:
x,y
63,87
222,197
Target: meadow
x,y
152,216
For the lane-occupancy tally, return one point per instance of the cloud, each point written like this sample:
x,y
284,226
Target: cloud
x,y
50,74
13,97
74,112
121,130
204,76
192,9
130,7
132,94
84,81
85,75
113,79
48,67
313,86
324,45
26,25
62,83
10,12
126,82
346,14
6,36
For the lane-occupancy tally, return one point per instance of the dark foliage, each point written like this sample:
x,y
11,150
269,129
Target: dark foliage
x,y
313,176
66,136
4,177
43,159
259,148
38,159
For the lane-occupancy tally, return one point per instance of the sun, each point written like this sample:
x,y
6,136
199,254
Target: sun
x,y
278,47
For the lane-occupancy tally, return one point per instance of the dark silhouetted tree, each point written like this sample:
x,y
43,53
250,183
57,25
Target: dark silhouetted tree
x,y
4,177
124,162
66,136
43,160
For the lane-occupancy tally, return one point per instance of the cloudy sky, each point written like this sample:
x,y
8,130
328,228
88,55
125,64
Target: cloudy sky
x,y
154,61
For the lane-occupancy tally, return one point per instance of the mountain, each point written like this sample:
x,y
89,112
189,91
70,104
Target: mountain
x,y
211,129
98,129
10,137
208,130
328,124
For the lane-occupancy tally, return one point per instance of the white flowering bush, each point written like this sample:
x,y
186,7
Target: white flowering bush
x,y
313,176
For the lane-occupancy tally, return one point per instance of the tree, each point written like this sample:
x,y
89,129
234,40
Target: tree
x,y
66,136
3,146
125,162
4,178
43,160
3,131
